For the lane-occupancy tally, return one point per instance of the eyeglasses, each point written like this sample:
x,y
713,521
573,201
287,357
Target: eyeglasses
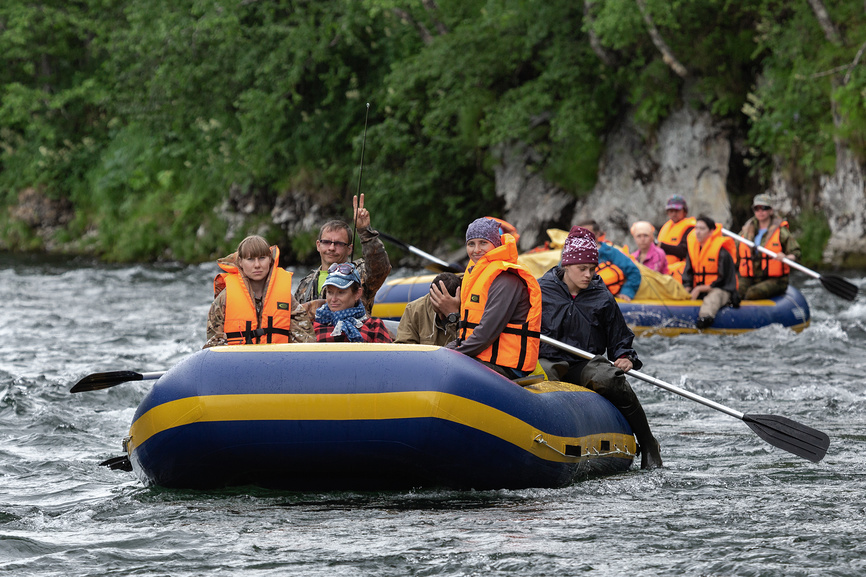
x,y
334,243
346,268
762,207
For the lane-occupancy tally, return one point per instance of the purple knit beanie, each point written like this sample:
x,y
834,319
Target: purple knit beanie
x,y
484,228
579,247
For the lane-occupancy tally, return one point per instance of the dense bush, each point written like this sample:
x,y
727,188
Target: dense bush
x,y
145,114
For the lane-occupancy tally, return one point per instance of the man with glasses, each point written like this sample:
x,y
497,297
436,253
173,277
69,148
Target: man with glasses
x,y
762,276
335,246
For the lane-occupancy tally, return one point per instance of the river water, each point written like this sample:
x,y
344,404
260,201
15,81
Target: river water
x,y
726,503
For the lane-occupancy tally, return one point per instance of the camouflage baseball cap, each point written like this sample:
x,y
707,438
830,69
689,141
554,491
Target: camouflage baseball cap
x,y
762,200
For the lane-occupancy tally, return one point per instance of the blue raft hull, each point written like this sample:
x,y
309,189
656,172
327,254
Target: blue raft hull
x,y
645,317
673,317
367,416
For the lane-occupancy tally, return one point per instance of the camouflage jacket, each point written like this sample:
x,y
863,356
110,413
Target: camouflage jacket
x,y
301,327
373,269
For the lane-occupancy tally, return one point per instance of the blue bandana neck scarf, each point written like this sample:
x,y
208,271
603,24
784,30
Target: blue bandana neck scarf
x,y
346,320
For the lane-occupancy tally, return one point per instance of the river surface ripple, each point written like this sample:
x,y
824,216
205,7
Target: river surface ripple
x,y
726,503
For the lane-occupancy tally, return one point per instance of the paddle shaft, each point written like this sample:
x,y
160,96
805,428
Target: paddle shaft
x,y
652,380
767,251
408,247
780,432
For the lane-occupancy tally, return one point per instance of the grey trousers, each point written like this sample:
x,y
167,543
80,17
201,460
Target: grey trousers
x,y
713,301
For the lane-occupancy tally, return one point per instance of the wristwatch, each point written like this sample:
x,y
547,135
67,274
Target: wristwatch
x,y
452,318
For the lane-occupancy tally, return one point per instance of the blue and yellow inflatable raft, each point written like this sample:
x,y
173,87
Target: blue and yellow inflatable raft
x,y
668,317
367,416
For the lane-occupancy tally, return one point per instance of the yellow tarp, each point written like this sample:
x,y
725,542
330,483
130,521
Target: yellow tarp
x,y
653,286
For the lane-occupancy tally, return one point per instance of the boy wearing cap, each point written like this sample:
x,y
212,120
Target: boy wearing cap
x,y
343,317
615,268
762,276
673,234
500,304
580,311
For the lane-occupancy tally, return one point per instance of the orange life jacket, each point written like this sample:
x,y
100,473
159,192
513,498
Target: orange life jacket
x,y
673,233
770,267
676,270
612,276
517,346
705,259
241,323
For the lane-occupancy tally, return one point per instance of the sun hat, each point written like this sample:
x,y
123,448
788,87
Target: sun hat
x,y
342,275
485,228
579,247
676,202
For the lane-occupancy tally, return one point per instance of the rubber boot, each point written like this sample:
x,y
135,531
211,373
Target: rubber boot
x,y
610,382
650,451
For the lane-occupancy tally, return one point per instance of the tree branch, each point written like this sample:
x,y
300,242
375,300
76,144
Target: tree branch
x,y
830,31
667,53
606,57
431,7
426,37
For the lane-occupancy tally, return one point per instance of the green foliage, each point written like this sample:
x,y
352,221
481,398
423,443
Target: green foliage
x,y
813,234
145,114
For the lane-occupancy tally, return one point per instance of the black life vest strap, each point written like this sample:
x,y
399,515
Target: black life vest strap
x,y
250,334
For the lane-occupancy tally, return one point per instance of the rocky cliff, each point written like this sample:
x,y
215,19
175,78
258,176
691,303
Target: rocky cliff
x,y
690,154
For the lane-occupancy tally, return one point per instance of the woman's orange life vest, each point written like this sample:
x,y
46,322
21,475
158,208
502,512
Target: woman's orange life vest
x,y
673,233
770,267
517,345
705,259
241,323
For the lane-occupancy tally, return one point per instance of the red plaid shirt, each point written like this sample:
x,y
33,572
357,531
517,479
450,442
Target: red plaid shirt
x,y
373,331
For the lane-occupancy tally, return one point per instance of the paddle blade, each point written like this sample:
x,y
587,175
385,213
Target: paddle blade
x,y
789,435
839,286
97,381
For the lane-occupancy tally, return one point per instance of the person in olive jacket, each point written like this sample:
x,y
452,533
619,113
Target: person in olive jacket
x,y
579,310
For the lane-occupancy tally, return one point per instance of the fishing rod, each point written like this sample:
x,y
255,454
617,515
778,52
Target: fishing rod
x,y
360,172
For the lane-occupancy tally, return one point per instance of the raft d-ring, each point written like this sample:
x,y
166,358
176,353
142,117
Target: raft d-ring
x,y
540,440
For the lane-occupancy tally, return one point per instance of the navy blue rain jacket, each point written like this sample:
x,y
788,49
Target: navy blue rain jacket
x,y
590,321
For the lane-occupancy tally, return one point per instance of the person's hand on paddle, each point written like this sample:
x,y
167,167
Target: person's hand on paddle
x,y
623,298
362,215
623,364
443,303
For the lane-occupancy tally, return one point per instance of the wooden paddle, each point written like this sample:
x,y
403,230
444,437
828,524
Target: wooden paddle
x,y
438,265
97,381
781,432
835,284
